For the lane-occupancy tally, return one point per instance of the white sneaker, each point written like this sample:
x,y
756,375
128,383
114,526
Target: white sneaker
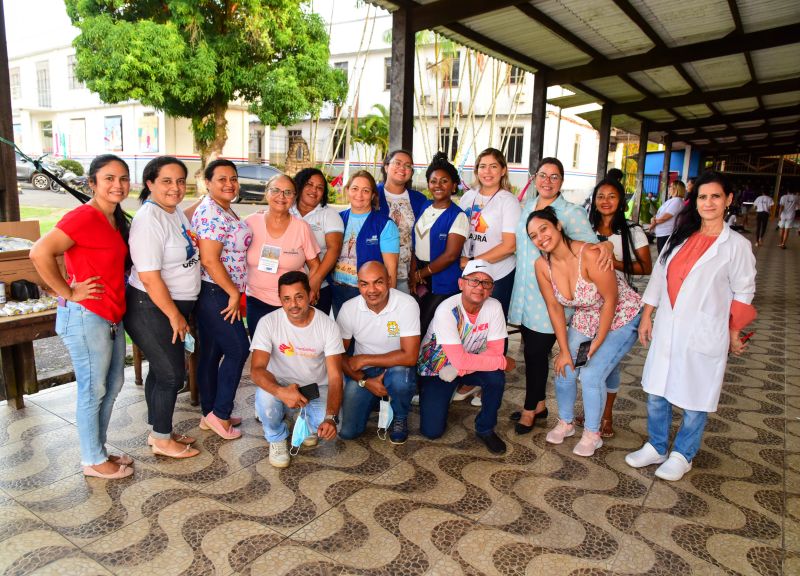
x,y
279,454
458,396
476,401
590,441
674,468
561,431
311,440
644,456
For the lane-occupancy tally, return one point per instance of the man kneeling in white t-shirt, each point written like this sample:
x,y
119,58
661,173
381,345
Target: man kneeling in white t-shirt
x,y
293,347
464,346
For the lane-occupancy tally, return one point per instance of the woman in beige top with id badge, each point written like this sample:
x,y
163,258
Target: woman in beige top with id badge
x,y
281,243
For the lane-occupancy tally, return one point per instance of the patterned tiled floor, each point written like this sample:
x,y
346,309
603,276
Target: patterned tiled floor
x,y
444,507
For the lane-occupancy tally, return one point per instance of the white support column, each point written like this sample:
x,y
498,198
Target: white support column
x,y
687,158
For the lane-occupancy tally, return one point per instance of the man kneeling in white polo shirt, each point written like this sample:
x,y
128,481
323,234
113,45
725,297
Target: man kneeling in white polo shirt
x,y
384,323
293,347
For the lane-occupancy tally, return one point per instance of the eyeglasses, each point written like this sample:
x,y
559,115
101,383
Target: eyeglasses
x,y
545,176
485,284
403,165
286,193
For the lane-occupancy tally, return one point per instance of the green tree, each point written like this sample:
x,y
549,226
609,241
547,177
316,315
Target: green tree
x,y
190,58
373,130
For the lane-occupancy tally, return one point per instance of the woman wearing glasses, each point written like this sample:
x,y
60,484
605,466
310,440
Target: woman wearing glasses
x,y
403,206
368,235
528,309
162,290
223,342
326,224
281,243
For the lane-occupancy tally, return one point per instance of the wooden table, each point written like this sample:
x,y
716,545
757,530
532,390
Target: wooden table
x,y
17,334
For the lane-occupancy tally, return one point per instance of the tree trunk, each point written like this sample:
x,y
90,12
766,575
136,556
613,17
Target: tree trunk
x,y
210,151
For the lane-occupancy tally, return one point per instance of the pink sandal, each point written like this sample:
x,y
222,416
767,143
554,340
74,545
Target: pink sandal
x,y
122,472
211,422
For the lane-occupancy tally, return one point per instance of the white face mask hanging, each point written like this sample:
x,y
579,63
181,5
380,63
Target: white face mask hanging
x,y
385,417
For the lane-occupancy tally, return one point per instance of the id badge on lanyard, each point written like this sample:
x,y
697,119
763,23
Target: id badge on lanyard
x,y
270,255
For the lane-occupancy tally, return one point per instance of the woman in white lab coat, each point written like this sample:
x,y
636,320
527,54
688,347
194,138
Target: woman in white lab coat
x,y
702,285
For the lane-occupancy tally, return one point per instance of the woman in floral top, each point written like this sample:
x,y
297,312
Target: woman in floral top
x,y
607,313
223,342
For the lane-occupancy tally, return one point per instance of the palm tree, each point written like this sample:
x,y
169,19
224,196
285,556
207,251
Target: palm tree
x,y
373,130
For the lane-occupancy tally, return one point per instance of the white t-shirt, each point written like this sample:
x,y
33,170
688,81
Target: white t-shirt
x,y
638,240
763,203
422,240
673,206
323,220
489,217
402,215
379,333
788,204
297,354
164,241
451,325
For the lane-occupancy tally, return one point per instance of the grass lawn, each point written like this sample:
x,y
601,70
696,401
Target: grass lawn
x,y
47,217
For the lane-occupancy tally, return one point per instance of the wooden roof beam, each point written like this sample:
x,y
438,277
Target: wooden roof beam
x,y
711,134
733,43
495,46
746,91
446,12
760,114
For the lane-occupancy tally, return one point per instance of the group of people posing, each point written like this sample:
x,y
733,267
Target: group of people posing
x,y
421,292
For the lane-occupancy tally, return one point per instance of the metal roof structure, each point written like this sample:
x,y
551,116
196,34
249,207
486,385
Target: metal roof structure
x,y
723,75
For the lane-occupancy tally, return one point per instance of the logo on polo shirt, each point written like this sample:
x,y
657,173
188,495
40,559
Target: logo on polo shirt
x,y
392,328
286,349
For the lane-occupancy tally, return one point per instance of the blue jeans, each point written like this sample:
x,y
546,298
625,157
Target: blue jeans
x,y
99,364
435,395
358,402
272,413
223,350
256,310
150,330
341,294
659,420
594,374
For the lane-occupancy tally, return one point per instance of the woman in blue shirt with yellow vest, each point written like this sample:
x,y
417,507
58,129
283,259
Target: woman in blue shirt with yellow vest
x,y
528,309
368,235
439,236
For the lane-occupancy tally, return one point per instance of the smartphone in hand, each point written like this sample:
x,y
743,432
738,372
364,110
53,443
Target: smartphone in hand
x,y
309,391
583,354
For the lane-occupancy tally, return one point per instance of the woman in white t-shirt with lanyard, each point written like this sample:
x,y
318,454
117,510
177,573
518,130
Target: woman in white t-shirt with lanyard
x,y
631,258
161,294
493,214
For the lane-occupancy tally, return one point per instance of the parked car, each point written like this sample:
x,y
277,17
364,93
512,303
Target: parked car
x,y
253,180
27,172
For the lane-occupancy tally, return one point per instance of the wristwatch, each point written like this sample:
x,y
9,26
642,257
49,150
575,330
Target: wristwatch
x,y
362,383
332,418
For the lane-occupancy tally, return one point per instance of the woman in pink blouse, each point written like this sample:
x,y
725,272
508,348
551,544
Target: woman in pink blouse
x,y
702,285
607,313
281,243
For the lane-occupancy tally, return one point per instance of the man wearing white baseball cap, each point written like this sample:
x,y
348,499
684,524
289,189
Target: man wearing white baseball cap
x,y
464,346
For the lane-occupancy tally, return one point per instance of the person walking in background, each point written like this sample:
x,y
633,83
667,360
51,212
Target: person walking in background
x,y
223,342
91,304
281,243
702,284
403,205
664,221
788,205
439,236
763,205
368,235
326,224
162,290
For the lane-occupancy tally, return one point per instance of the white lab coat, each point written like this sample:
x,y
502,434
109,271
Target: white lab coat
x,y
689,352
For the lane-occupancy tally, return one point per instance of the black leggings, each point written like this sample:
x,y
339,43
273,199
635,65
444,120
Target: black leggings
x,y
537,348
762,219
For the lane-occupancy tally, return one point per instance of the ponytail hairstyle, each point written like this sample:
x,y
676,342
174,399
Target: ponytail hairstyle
x,y
505,181
619,225
688,221
547,213
152,170
441,162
